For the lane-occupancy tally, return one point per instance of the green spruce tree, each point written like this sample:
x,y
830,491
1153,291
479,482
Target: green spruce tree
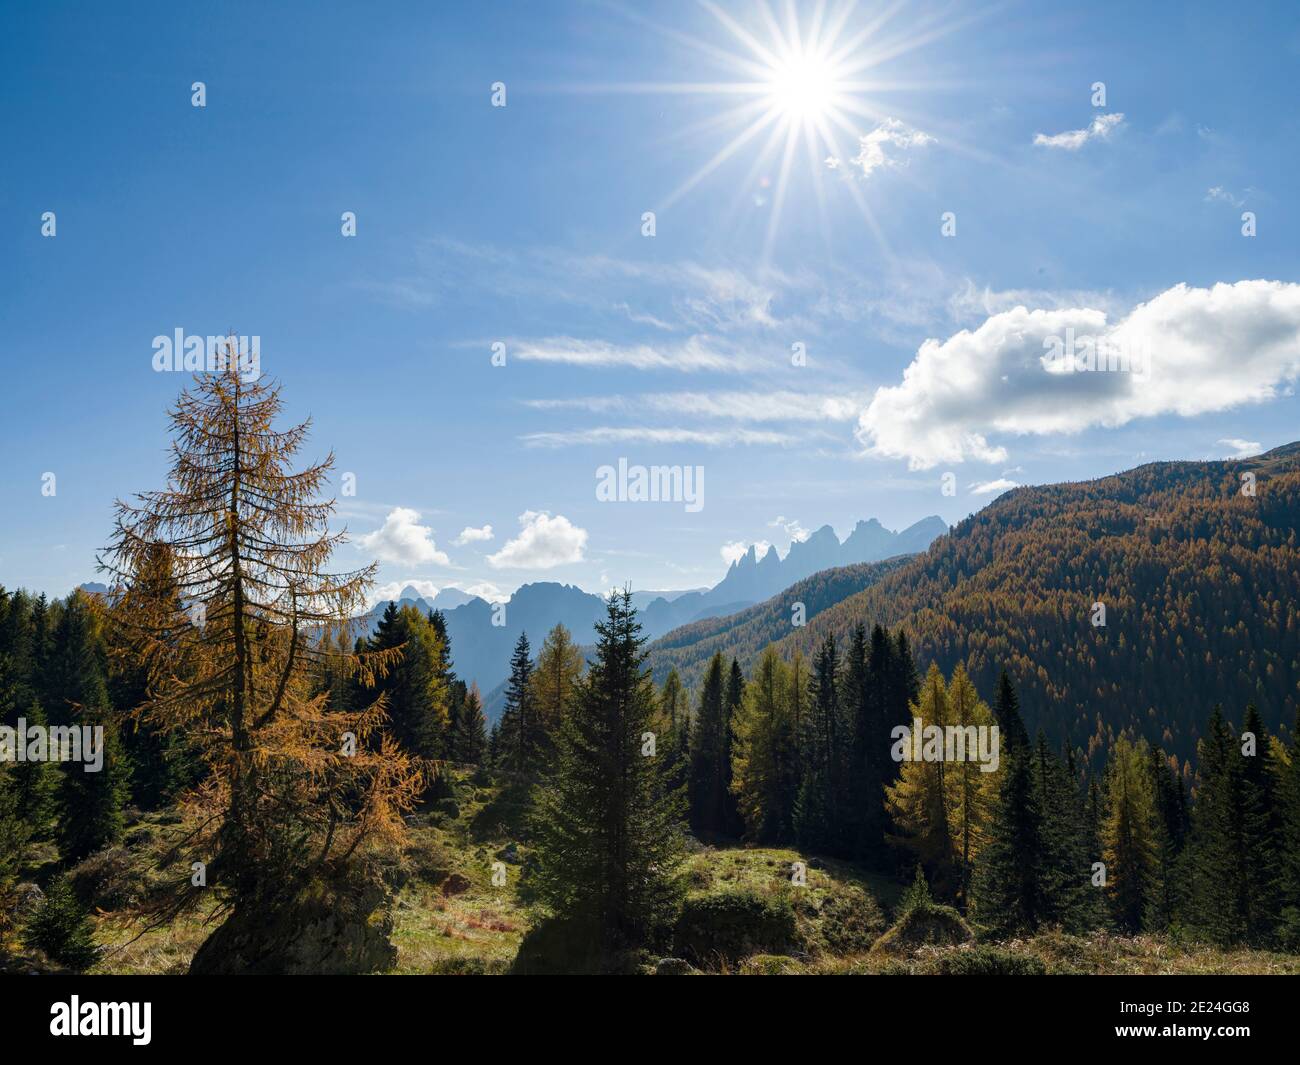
x,y
710,771
522,738
608,834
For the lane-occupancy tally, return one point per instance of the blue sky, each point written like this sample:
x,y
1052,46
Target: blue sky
x,y
522,225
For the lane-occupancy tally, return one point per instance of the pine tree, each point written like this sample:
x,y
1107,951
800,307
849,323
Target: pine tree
x,y
883,706
162,764
1006,709
14,835
1130,836
416,689
821,802
446,674
1094,813
862,783
91,799
798,693
1232,863
522,739
1260,828
40,662
675,719
917,801
735,698
294,786
559,665
1008,895
62,929
608,834
764,756
17,639
1067,896
34,783
456,692
904,681
710,773
1288,804
1172,814
971,792
473,728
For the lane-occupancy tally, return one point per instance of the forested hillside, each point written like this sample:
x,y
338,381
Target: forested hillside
x,y
743,635
1199,579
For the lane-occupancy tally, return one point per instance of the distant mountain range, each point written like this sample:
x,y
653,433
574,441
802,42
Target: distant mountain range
x,y
481,650
751,579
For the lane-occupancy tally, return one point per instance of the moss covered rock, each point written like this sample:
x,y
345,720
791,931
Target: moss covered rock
x,y
328,927
926,924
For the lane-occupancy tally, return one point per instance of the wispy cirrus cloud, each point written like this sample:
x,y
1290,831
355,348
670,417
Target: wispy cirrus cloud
x,y
611,434
694,355
970,299
778,406
1219,194
1242,449
681,296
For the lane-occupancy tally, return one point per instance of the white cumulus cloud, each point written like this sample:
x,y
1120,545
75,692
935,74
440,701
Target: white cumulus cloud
x,y
383,593
402,539
471,535
487,590
543,542
735,550
1201,350
883,147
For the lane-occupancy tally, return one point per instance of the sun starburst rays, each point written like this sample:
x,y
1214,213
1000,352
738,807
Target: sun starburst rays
x,y
826,75
810,81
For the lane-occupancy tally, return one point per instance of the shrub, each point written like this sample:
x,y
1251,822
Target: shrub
x,y
468,966
61,928
111,879
556,946
1288,930
733,924
987,961
850,921
770,965
427,860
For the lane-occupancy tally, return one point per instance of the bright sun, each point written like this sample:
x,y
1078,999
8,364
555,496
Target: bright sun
x,y
812,85
803,88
